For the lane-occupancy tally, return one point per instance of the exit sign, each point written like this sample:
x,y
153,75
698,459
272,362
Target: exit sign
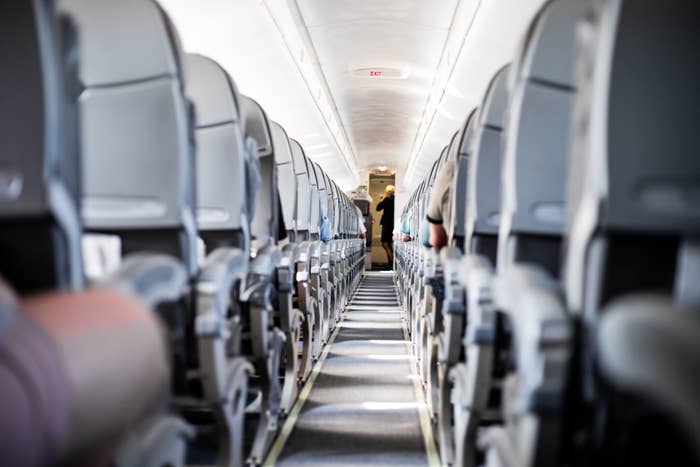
x,y
375,73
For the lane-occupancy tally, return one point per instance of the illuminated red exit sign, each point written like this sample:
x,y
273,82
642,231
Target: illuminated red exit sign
x,y
375,73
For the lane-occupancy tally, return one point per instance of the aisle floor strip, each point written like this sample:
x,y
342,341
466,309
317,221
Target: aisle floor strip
x,y
291,420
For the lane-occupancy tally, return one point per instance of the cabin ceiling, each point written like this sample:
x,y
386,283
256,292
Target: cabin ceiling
x,y
380,114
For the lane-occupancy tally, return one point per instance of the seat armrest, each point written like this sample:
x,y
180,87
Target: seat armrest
x,y
650,347
291,251
542,333
152,278
266,261
221,269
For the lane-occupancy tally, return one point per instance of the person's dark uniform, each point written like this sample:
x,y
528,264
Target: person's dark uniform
x,y
387,221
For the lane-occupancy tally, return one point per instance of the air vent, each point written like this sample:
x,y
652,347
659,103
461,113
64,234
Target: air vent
x,y
380,73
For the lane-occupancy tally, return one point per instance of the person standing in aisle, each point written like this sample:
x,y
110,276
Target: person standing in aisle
x,y
386,205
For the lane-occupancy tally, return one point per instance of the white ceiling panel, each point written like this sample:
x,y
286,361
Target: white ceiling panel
x,y
380,115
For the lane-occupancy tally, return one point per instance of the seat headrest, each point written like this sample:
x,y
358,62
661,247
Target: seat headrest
x,y
483,211
123,42
492,111
211,90
256,125
536,154
634,164
221,157
459,193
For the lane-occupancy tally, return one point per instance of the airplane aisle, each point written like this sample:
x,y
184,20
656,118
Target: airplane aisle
x,y
365,406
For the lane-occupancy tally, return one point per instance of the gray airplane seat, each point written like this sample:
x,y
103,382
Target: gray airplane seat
x,y
222,216
137,144
71,391
632,262
306,300
483,184
317,289
264,290
224,226
291,318
319,273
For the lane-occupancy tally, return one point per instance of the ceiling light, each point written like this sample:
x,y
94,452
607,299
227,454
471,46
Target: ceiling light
x,y
382,168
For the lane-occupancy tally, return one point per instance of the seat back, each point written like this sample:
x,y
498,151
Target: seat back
x,y
633,182
483,185
40,186
330,188
337,208
137,129
458,206
322,197
303,211
286,178
315,206
220,163
535,158
264,225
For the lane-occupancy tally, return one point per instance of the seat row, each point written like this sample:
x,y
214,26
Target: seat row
x,y
171,262
560,325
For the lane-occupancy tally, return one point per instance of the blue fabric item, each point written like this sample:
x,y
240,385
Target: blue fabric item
x,y
406,224
326,232
425,233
